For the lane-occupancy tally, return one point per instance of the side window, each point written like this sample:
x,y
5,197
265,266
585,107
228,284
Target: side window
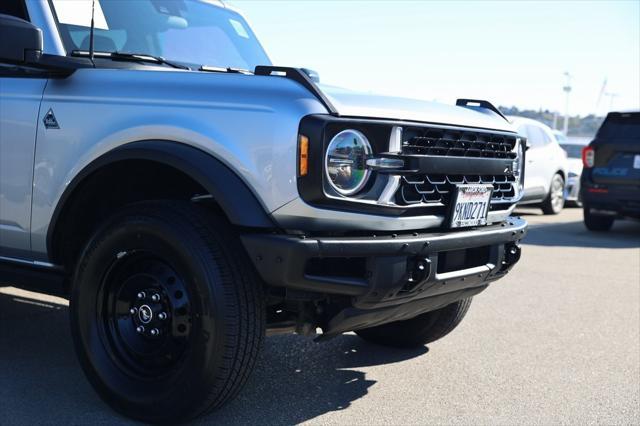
x,y
15,8
545,136
537,137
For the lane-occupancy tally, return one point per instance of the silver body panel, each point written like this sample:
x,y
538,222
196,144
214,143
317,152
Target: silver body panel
x,y
19,104
250,123
298,215
367,105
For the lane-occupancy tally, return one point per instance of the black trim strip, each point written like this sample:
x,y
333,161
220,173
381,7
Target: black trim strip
x,y
34,277
436,164
465,103
299,76
229,191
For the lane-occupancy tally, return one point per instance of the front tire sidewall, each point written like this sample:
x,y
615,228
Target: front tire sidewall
x,y
128,394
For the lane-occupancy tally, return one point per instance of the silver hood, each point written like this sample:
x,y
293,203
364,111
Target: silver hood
x,y
366,105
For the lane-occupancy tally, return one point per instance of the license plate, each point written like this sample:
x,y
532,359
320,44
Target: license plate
x,y
471,205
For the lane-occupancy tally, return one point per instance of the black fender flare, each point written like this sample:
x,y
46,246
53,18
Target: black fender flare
x,y
228,190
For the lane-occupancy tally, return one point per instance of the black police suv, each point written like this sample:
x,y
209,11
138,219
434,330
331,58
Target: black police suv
x,y
610,182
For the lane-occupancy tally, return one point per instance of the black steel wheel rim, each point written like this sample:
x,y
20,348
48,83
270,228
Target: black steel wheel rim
x,y
144,314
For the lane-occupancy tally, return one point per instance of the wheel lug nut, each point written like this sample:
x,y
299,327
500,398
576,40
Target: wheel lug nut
x,y
155,297
162,316
155,331
133,311
140,329
142,295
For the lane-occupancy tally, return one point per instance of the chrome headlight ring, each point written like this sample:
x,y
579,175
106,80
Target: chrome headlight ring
x,y
345,162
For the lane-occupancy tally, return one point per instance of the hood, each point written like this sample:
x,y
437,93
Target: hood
x,y
366,105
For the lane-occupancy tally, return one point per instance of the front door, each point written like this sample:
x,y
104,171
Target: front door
x,y
20,97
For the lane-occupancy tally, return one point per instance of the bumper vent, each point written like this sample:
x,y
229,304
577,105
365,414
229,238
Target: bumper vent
x,y
457,143
437,189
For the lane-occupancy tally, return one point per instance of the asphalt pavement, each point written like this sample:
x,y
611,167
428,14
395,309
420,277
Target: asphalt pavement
x,y
557,341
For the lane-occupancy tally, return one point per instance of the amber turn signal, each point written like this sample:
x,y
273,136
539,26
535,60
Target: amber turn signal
x,y
303,155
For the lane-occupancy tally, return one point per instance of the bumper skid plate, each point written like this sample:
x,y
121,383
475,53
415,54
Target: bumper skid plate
x,y
389,277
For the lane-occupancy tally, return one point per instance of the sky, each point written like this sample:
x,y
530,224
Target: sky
x,y
512,53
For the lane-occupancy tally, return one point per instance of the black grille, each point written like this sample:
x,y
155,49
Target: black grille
x,y
438,189
457,143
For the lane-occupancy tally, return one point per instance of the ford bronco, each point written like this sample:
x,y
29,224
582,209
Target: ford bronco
x,y
188,197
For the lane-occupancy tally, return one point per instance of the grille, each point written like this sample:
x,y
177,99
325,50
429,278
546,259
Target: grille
x,y
437,189
457,143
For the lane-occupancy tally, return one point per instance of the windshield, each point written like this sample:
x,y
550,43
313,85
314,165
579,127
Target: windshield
x,y
573,151
194,32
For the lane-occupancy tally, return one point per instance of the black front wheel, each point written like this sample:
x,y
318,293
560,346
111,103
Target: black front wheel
x,y
167,318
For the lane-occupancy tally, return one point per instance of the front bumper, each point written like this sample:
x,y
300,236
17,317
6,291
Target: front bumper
x,y
392,273
572,189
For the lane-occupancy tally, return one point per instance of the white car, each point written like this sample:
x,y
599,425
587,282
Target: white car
x,y
545,173
573,148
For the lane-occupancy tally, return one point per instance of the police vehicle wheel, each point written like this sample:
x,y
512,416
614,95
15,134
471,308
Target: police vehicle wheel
x,y
598,223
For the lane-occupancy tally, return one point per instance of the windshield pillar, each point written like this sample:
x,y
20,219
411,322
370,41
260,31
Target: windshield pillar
x,y
41,15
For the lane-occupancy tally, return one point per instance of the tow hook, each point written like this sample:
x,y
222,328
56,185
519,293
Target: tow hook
x,y
512,254
418,270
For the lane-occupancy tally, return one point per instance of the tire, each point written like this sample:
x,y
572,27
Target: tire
x,y
595,222
204,346
418,331
554,203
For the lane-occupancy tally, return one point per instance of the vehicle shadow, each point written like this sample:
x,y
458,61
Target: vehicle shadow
x,y
295,380
624,234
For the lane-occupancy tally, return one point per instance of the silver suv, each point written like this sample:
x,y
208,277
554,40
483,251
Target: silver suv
x,y
189,197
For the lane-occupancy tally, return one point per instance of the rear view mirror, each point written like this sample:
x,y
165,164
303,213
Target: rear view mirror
x,y
21,41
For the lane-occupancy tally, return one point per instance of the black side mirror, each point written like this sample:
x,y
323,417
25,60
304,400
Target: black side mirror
x,y
22,41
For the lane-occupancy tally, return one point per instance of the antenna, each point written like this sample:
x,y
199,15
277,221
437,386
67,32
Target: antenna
x,y
93,9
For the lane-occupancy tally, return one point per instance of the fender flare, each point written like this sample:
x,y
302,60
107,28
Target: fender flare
x,y
228,190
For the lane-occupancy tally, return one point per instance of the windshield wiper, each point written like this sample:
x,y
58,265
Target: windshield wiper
x,y
134,57
208,68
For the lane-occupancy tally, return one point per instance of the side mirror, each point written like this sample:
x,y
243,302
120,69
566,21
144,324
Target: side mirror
x,y
22,41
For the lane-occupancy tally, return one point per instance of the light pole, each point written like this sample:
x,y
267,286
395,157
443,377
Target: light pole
x,y
567,90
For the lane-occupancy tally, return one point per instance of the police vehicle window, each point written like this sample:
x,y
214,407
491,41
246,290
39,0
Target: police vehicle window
x,y
15,8
621,126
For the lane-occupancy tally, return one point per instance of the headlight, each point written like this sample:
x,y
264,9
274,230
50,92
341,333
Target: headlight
x,y
518,162
345,162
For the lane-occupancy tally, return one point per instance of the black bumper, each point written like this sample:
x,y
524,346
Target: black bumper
x,y
390,270
620,199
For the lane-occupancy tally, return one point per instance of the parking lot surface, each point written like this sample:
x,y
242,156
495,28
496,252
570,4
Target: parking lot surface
x,y
557,341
